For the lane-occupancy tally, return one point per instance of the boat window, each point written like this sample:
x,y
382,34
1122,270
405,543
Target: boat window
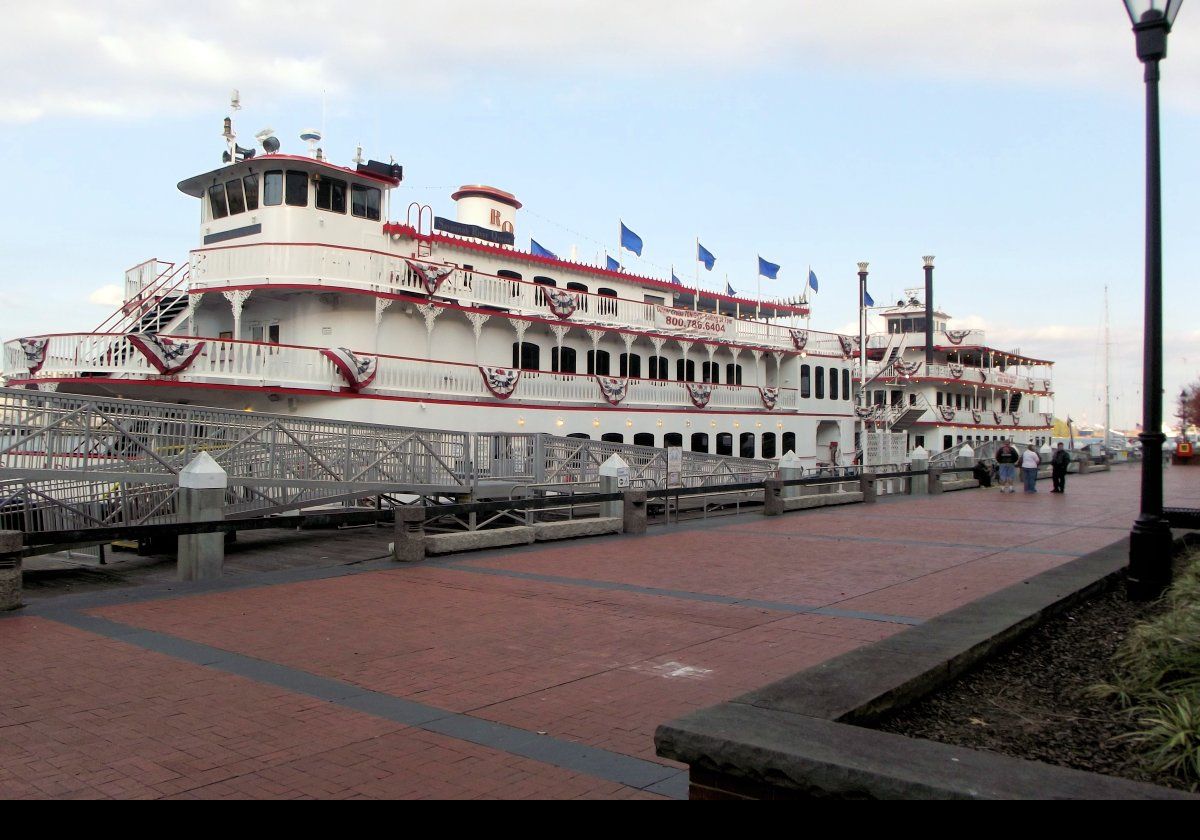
x,y
940,398
606,292
712,372
672,439
562,359
331,195
613,437
733,374
643,439
514,289
658,367
746,445
251,182
820,382
364,202
598,362
296,192
631,365
216,201
789,442
833,383
545,281
958,400
583,298
724,444
893,326
685,372
699,442
237,199
526,355
768,445
273,188
606,307
805,381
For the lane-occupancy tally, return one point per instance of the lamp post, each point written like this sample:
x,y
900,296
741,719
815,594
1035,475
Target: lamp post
x,y
862,357
1150,538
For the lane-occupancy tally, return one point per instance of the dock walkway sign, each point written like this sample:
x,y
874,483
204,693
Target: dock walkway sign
x,y
674,466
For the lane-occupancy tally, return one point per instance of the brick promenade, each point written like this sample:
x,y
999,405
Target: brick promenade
x,y
535,672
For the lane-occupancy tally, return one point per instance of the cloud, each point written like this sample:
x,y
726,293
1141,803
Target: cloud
x,y
134,57
110,295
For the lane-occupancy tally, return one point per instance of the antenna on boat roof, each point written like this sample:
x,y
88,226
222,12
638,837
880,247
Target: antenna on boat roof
x,y
358,158
312,137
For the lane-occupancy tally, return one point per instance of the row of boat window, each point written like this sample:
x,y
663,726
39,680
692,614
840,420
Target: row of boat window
x,y
948,440
527,356
240,195
968,401
700,442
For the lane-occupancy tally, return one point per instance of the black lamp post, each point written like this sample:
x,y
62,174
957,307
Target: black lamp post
x,y
1150,539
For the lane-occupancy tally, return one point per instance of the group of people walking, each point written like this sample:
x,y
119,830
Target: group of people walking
x,y
1008,459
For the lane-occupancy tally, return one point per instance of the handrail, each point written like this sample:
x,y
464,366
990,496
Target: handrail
x,y
121,315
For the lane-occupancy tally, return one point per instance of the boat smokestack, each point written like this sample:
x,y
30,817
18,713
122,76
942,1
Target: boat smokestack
x,y
487,207
928,310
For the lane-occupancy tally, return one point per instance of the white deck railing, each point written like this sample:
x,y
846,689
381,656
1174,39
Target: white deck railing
x,y
288,366
372,271
991,378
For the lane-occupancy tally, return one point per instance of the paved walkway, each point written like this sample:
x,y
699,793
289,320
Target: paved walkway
x,y
534,672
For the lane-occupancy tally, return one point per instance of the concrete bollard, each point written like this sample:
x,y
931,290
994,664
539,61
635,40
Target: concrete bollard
x,y
772,497
965,456
1085,464
10,570
202,486
919,463
409,530
634,513
614,478
791,468
866,486
935,481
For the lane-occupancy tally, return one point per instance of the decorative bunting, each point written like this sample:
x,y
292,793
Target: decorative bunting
x,y
997,417
864,411
613,390
1016,418
700,393
905,369
562,303
167,355
1048,419
847,346
770,396
500,381
35,352
956,370
431,275
358,371
956,337
947,412
799,339
977,416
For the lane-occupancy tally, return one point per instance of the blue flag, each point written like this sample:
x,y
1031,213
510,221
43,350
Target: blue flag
x,y
705,256
675,280
613,265
768,269
630,241
729,289
867,299
812,279
538,251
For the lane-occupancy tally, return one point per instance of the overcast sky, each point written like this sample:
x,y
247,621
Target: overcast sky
x,y
1003,136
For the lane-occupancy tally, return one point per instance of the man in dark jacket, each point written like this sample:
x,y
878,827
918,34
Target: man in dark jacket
x,y
1058,469
1007,457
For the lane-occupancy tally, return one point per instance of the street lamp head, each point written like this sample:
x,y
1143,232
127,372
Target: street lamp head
x,y
1152,21
862,267
928,261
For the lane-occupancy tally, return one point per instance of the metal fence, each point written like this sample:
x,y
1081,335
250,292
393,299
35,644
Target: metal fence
x,y
69,461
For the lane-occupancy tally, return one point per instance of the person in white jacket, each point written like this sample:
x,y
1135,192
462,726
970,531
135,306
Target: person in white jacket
x,y
1030,461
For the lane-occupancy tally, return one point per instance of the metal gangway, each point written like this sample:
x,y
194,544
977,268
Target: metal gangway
x,y
69,461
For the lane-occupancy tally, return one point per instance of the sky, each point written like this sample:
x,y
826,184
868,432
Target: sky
x,y
1005,137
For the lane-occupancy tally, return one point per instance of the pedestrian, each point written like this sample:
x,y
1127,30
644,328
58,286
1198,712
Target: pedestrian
x,y
1007,457
1030,461
1058,469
